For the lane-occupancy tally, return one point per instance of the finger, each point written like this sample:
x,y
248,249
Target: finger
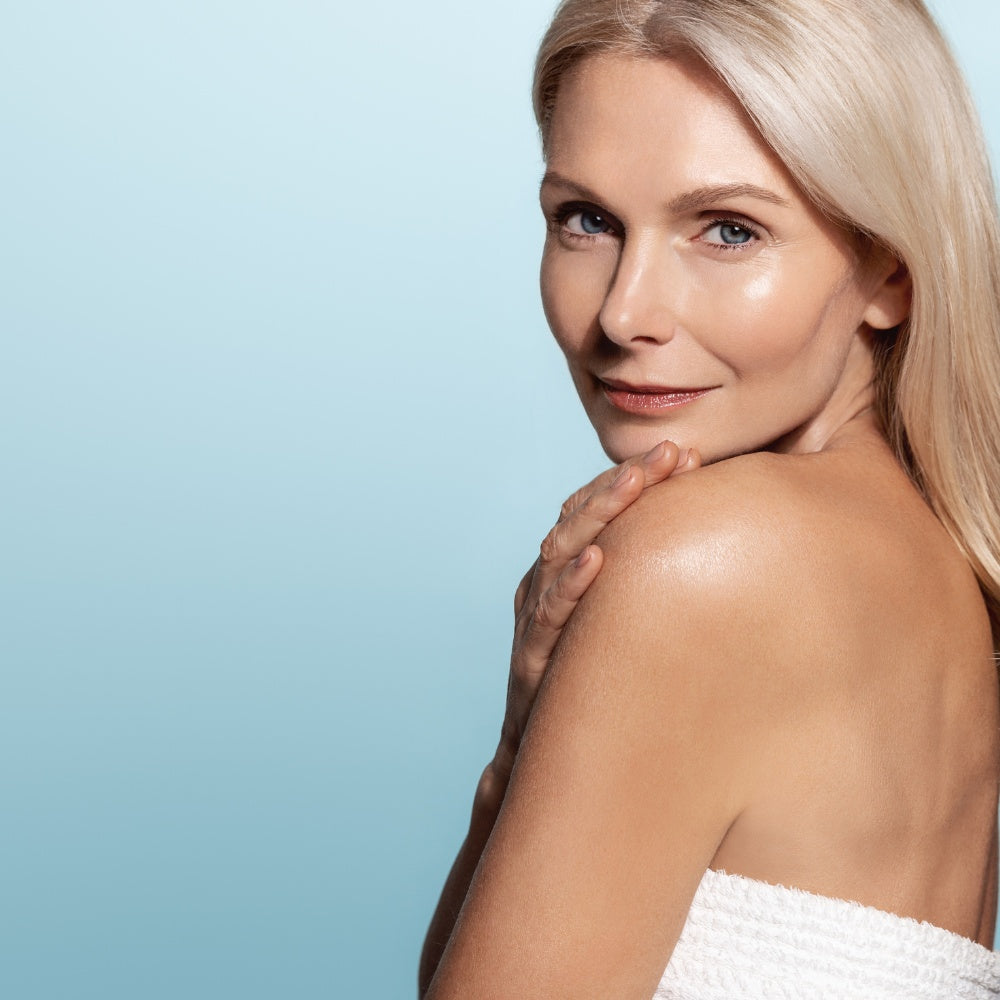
x,y
523,588
657,464
571,535
661,461
690,462
605,479
568,538
552,612
585,515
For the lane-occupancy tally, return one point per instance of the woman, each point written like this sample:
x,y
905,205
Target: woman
x,y
771,240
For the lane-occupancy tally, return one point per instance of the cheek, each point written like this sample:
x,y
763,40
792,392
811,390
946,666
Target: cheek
x,y
757,319
572,286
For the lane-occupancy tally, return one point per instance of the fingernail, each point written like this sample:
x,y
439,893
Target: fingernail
x,y
655,453
682,457
621,477
583,558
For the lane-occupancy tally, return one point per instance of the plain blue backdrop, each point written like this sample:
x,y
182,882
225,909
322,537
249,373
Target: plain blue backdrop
x,y
281,429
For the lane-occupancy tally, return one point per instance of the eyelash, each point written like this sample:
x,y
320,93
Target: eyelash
x,y
557,224
563,213
737,222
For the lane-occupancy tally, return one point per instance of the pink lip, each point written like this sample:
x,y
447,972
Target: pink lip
x,y
649,398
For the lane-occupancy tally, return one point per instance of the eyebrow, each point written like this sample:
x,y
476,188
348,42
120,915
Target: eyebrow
x,y
702,197
705,196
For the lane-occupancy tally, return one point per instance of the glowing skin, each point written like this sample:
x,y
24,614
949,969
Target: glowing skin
x,y
696,293
779,666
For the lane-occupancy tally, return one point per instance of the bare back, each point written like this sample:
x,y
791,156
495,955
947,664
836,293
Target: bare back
x,y
884,785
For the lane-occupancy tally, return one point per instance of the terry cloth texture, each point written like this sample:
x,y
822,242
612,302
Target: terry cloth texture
x,y
749,940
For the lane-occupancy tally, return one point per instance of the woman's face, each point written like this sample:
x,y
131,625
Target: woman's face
x,y
696,293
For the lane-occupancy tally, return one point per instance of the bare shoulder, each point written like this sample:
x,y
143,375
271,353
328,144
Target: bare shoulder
x,y
799,558
749,527
793,623
758,506
709,584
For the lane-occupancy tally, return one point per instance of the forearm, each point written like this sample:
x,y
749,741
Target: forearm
x,y
489,796
569,562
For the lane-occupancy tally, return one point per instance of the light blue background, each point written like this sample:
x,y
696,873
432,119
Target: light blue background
x,y
281,428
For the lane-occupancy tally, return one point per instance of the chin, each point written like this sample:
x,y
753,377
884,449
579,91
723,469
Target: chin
x,y
622,443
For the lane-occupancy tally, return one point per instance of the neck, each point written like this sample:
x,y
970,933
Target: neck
x,y
850,406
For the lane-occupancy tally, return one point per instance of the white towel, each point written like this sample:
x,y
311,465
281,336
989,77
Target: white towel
x,y
749,940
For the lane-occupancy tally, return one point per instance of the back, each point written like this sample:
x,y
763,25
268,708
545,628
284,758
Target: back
x,y
882,781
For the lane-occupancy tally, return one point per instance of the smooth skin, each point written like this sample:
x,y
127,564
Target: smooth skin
x,y
784,667
567,564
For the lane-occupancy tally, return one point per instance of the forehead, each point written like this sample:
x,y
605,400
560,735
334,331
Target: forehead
x,y
666,121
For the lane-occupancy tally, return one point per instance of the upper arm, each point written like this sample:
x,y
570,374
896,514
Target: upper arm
x,y
638,756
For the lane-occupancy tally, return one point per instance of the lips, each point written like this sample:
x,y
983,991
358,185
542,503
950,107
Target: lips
x,y
649,398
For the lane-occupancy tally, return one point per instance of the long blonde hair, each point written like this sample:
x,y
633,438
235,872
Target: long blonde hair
x,y
865,105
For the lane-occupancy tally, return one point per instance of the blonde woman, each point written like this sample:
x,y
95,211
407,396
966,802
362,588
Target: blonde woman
x,y
762,756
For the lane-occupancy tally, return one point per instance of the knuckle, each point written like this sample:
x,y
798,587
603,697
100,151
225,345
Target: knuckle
x,y
594,504
549,549
595,513
569,506
543,618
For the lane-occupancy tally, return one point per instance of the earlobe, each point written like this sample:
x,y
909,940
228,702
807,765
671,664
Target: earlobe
x,y
890,303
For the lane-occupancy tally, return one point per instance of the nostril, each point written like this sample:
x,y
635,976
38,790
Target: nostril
x,y
632,330
637,308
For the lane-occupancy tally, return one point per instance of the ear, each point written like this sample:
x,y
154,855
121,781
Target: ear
x,y
890,301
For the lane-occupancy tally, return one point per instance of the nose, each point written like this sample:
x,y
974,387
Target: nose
x,y
637,308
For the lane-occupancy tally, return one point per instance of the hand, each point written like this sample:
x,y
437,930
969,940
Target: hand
x,y
566,566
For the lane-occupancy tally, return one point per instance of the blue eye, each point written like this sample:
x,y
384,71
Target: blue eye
x,y
587,223
730,234
592,223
